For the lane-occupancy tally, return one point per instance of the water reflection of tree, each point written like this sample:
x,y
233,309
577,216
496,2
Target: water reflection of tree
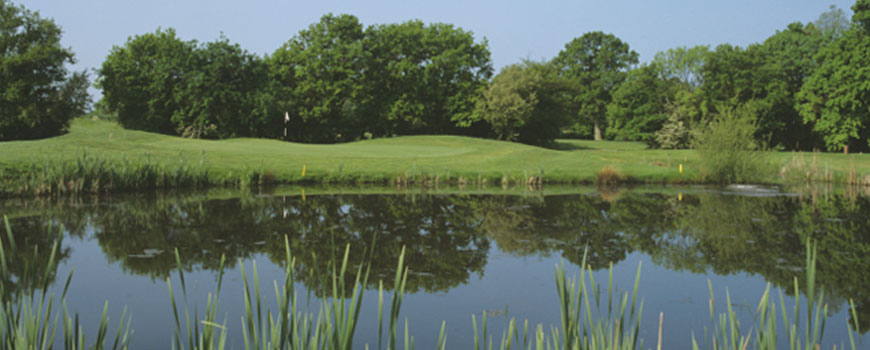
x,y
440,234
443,244
766,236
27,265
841,226
142,236
731,234
570,224
448,237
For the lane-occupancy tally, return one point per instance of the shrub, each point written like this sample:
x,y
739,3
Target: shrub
x,y
609,176
728,150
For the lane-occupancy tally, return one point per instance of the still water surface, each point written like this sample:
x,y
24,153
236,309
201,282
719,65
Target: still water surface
x,y
468,253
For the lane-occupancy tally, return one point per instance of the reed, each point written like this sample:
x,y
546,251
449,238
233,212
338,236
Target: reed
x,y
593,315
28,317
609,176
211,334
802,331
289,327
95,174
799,170
588,319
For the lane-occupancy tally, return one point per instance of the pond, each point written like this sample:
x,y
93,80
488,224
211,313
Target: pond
x,y
467,251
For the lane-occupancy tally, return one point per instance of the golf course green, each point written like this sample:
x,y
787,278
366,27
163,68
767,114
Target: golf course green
x,y
408,159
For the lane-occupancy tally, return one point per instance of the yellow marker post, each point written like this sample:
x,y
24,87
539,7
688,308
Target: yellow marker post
x,y
681,168
303,194
303,170
680,196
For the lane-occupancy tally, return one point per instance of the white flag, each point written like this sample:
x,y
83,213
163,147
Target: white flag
x,y
286,117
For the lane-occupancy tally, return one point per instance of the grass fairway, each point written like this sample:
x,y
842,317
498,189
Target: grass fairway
x,y
411,158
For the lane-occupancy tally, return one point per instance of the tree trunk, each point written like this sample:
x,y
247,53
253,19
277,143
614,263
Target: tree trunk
x,y
597,132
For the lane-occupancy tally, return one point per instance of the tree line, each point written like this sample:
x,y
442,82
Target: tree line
x,y
338,80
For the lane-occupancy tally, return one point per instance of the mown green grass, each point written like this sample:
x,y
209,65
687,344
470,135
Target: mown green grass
x,y
411,158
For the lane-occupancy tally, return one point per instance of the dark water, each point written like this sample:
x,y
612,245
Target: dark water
x,y
467,253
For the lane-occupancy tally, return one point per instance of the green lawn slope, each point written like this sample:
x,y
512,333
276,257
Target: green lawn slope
x,y
399,159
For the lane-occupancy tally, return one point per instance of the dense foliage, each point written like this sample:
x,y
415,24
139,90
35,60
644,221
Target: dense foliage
x,y
38,95
339,80
449,239
524,103
728,151
797,82
424,79
335,81
835,99
319,80
639,106
158,82
595,63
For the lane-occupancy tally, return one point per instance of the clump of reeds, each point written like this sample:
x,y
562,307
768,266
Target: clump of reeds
x,y
799,170
614,326
28,318
609,176
290,327
592,316
803,331
94,174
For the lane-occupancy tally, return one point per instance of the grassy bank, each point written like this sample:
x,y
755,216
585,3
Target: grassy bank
x,y
99,156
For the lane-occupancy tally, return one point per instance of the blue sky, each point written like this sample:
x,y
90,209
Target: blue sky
x,y
515,29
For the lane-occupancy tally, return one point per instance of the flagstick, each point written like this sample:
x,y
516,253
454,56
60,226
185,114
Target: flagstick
x,y
286,120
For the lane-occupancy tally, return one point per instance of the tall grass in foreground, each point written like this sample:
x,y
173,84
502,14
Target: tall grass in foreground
x,y
28,318
592,316
290,327
802,331
589,318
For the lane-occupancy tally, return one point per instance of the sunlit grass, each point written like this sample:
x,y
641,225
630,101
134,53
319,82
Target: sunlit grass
x,y
101,156
413,159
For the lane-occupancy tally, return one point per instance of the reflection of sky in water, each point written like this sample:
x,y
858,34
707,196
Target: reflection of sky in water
x,y
525,285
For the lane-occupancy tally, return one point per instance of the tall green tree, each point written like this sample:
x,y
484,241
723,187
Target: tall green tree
x,y
596,63
835,99
38,95
524,103
832,23
768,77
683,65
160,83
734,77
787,60
861,15
639,106
144,80
222,94
681,71
729,77
423,78
658,102
510,101
318,77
